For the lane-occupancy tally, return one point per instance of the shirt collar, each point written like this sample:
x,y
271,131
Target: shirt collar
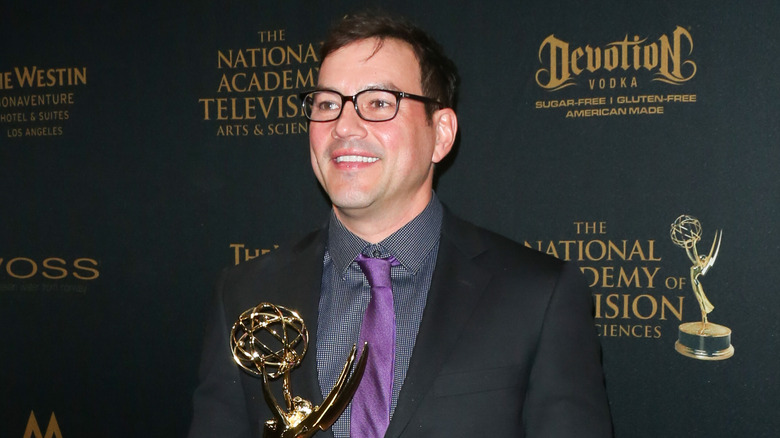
x,y
409,245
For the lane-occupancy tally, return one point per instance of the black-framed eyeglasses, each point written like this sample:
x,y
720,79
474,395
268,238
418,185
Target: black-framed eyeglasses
x,y
372,105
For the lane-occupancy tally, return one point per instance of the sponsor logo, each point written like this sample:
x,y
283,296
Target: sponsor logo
x,y
34,431
609,78
36,102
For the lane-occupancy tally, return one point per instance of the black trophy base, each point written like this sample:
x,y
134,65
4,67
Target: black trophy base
x,y
704,341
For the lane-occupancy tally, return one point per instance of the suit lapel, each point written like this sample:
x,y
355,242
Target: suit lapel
x,y
299,289
456,287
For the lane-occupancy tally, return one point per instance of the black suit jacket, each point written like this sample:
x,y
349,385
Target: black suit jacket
x,y
506,347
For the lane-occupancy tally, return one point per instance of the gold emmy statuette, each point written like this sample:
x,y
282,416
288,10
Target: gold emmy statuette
x,y
700,340
269,341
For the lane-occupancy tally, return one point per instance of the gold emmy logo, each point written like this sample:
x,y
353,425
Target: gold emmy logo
x,y
33,431
700,340
269,341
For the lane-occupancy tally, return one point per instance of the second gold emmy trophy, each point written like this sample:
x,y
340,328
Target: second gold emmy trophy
x,y
700,340
269,341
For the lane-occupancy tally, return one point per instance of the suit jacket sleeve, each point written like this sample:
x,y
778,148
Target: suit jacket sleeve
x,y
219,402
566,395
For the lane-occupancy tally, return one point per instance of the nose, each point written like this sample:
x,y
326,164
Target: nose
x,y
349,124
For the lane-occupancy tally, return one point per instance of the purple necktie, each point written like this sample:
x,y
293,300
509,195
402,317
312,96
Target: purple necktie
x,y
370,413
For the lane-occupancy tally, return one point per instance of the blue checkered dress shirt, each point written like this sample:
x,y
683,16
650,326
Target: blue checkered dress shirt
x,y
345,295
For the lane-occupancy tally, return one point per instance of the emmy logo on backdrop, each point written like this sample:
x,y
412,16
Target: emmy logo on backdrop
x,y
269,341
700,340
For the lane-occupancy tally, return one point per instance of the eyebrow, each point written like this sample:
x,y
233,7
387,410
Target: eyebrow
x,y
389,86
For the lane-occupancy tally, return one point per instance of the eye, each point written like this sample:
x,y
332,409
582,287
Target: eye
x,y
379,103
325,103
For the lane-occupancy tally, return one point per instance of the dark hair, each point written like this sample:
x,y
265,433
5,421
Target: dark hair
x,y
438,74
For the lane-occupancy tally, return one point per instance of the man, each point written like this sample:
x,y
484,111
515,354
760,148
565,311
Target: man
x,y
491,338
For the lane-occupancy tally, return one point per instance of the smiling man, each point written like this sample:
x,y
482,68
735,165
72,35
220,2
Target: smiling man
x,y
470,333
378,174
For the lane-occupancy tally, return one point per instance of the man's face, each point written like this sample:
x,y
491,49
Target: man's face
x,y
370,168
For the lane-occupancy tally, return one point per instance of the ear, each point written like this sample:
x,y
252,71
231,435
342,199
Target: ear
x,y
446,123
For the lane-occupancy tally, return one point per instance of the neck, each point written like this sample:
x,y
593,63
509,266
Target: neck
x,y
376,226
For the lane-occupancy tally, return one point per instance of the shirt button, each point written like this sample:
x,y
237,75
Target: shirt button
x,y
377,253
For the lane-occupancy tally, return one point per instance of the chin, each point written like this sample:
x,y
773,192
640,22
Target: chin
x,y
350,200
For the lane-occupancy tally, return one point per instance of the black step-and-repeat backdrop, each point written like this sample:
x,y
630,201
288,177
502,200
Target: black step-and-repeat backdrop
x,y
145,147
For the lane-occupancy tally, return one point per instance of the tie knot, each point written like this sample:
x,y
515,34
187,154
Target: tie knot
x,y
376,270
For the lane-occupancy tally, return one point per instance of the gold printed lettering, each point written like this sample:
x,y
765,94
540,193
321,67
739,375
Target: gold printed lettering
x,y
558,75
267,56
667,58
674,56
34,77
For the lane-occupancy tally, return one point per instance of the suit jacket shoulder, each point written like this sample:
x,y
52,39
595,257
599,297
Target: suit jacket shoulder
x,y
506,346
278,277
495,252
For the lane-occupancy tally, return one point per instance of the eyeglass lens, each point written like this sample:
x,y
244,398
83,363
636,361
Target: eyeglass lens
x,y
371,105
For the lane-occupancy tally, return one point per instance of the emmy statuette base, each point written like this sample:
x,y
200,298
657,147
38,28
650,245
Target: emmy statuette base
x,y
704,342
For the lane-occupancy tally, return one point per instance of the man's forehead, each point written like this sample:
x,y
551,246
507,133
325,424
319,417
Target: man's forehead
x,y
371,46
389,55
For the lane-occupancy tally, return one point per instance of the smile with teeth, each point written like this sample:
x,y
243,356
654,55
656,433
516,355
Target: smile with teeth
x,y
355,159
